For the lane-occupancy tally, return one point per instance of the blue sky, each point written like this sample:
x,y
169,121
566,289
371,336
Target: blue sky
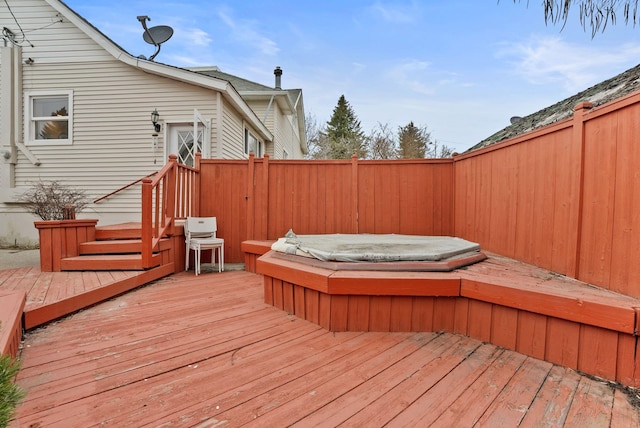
x,y
460,68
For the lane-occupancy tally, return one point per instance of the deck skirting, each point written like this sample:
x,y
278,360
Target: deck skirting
x,y
500,301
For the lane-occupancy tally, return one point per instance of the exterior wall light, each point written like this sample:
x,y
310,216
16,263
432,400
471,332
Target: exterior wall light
x,y
155,116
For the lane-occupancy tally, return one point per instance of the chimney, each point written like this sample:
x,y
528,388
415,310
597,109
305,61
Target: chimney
x,y
278,74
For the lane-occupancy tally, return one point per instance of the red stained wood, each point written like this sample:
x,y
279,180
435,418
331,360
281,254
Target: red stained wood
x,y
504,326
311,305
400,313
278,293
444,313
593,401
339,313
480,320
422,314
461,322
554,398
379,313
269,368
517,395
562,344
287,297
598,351
11,307
299,303
358,315
268,290
531,334
628,362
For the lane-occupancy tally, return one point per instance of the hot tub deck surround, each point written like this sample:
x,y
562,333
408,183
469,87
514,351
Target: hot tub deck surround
x,y
501,301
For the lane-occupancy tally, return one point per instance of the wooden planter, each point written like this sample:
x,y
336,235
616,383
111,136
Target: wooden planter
x,y
62,238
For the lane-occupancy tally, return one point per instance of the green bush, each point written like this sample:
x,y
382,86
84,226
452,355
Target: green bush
x,y
10,393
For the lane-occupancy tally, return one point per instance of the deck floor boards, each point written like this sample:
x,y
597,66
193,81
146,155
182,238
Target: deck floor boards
x,y
207,351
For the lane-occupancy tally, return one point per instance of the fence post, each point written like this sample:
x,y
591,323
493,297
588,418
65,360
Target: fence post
x,y
147,220
265,199
579,118
354,195
250,197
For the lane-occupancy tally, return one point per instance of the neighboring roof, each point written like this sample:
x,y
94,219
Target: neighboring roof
x,y
289,100
602,93
172,72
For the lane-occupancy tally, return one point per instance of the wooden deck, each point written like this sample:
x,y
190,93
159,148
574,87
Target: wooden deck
x,y
51,295
207,351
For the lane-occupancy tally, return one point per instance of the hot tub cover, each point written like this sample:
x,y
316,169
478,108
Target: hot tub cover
x,y
374,247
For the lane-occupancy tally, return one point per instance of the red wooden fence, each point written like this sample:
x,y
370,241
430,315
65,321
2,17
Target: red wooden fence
x,y
563,197
262,199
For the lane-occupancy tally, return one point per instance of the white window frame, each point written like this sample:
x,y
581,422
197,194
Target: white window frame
x,y
247,146
30,120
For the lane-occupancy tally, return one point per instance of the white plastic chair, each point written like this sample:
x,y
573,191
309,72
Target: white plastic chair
x,y
200,234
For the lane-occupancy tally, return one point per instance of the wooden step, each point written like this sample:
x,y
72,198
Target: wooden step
x,y
116,246
131,230
107,262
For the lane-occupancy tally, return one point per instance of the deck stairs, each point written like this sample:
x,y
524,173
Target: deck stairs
x,y
116,247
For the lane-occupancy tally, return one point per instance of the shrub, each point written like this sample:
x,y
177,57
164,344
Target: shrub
x,y
49,200
10,393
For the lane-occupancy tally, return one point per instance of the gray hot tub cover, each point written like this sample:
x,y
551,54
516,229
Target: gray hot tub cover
x,y
374,247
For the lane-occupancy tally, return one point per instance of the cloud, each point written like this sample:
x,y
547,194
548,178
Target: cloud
x,y
244,31
543,60
394,13
412,75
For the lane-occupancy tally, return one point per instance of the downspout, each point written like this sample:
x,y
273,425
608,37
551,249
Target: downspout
x,y
9,119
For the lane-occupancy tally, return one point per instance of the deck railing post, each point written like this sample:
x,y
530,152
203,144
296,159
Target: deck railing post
x,y
195,191
170,199
147,222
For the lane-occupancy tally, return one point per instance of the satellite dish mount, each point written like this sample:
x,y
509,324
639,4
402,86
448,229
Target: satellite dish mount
x,y
155,35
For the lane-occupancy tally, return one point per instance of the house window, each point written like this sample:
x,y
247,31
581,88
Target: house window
x,y
252,144
285,154
49,118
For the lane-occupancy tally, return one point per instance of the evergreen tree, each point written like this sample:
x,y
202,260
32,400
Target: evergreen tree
x,y
344,133
413,141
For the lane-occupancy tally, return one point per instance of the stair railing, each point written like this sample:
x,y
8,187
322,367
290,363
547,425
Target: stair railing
x,y
168,196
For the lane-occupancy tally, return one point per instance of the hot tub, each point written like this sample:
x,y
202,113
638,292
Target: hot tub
x,y
392,252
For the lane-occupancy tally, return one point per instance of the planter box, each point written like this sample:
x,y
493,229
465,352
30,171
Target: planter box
x,y
62,238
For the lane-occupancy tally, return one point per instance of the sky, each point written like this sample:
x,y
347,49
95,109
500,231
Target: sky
x,y
461,68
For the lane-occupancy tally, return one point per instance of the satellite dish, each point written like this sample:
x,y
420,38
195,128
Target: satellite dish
x,y
155,35
158,35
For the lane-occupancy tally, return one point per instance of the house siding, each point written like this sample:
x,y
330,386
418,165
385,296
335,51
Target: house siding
x,y
112,131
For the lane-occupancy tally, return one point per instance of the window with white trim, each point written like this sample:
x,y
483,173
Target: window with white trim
x,y
285,154
252,144
49,117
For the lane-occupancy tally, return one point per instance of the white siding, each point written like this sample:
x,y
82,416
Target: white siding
x,y
232,130
112,102
112,143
